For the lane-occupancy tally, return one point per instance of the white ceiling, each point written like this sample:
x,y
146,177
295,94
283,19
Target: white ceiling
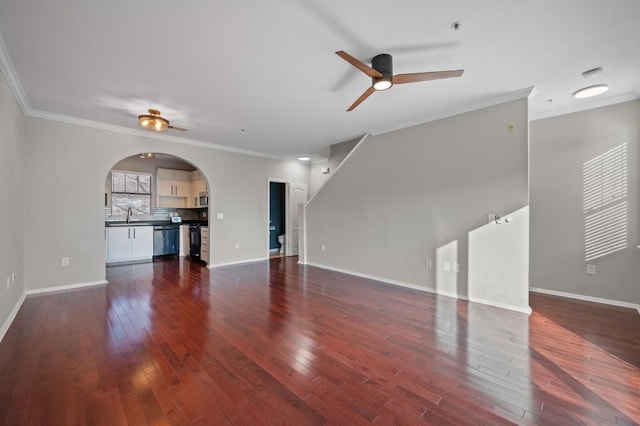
x,y
263,76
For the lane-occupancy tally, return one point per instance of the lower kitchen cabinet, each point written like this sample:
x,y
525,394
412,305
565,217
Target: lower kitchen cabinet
x,y
129,243
184,240
204,244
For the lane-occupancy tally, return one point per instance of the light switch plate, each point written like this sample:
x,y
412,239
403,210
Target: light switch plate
x,y
220,216
591,269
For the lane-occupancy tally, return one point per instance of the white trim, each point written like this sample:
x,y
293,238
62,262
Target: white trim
x,y
520,309
12,316
586,298
385,280
238,262
66,287
583,106
143,133
6,66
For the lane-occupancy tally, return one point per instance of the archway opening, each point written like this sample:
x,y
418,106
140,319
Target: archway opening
x,y
156,207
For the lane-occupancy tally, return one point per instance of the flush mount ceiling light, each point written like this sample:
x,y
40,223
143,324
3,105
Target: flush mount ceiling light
x,y
154,122
590,91
147,155
304,158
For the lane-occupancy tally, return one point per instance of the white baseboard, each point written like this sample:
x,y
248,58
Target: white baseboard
x,y
525,310
388,281
18,305
66,287
239,262
12,316
586,298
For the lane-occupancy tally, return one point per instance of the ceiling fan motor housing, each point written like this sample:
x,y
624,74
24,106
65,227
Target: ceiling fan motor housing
x,y
383,63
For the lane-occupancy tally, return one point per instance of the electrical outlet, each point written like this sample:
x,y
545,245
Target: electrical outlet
x,y
428,263
456,267
447,266
237,245
220,216
591,269
64,261
323,247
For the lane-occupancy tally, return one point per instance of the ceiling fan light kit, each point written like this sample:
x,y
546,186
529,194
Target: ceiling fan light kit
x,y
382,78
383,63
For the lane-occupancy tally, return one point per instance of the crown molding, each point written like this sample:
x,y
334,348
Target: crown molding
x,y
6,66
144,133
596,103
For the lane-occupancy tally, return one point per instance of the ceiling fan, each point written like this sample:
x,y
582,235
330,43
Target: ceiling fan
x,y
156,123
382,78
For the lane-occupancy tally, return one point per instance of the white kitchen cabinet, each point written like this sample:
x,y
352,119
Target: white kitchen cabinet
x,y
185,246
204,244
173,187
197,186
129,243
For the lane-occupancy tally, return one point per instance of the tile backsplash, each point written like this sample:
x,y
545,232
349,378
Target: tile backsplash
x,y
162,213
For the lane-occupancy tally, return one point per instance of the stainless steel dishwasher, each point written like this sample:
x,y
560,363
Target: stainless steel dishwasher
x,y
166,240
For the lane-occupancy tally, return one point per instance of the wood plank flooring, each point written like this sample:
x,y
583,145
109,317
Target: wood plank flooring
x,y
274,342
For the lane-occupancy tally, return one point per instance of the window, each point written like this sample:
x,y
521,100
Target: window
x,y
605,203
130,190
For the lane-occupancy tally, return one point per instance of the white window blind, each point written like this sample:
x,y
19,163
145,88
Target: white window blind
x,y
130,190
605,193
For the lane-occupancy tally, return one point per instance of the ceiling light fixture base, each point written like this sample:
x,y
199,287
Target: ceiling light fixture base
x,y
588,92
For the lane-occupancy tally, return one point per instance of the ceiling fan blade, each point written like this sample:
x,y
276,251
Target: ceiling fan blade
x,y
178,128
359,64
362,97
425,76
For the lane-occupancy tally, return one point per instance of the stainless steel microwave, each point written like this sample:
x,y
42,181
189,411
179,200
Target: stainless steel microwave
x,y
203,200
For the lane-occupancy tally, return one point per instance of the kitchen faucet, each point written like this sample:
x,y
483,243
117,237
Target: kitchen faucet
x,y
129,214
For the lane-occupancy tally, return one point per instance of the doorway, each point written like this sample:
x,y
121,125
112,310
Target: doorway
x,y
277,219
285,200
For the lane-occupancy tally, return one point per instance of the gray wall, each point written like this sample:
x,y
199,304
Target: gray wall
x,y
65,176
416,193
12,193
559,147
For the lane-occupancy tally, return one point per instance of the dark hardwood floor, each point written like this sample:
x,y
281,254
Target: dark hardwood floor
x,y
274,342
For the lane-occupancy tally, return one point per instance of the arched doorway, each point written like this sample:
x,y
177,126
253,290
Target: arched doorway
x,y
155,206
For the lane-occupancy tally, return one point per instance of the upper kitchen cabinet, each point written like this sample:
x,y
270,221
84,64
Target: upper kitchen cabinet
x,y
198,189
174,188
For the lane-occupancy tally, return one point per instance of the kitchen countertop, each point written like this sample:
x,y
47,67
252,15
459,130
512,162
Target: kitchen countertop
x,y
153,223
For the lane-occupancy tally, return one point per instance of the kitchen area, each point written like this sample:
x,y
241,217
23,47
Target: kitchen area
x,y
156,207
